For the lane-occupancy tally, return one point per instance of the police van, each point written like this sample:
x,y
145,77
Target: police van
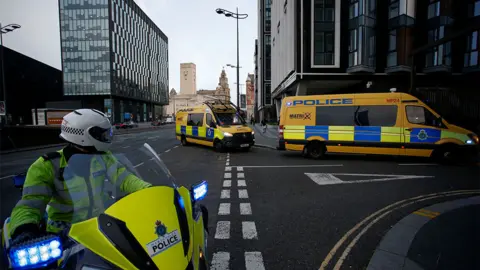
x,y
380,123
216,124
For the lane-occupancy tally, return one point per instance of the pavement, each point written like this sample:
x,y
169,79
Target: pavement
x,y
272,209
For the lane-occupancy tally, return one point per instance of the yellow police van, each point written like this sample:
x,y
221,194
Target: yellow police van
x,y
216,124
380,123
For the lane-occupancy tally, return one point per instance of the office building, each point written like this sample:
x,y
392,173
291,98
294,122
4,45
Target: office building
x,y
264,97
114,58
335,46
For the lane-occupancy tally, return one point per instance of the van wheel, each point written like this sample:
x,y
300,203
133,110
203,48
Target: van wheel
x,y
445,154
217,144
183,140
315,150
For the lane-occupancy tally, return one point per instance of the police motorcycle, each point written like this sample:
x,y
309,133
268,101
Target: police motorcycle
x,y
160,227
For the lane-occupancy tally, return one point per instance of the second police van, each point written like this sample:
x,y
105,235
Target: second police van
x,y
383,123
214,124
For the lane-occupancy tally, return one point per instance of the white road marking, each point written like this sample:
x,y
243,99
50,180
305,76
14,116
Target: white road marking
x,y
291,166
140,164
245,209
227,169
228,164
220,261
3,177
224,209
175,146
249,230
166,151
225,194
418,164
227,183
240,169
227,175
417,199
241,183
330,179
150,138
254,261
242,194
127,146
223,230
240,175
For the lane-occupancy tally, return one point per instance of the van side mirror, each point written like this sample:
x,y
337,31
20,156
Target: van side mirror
x,y
213,125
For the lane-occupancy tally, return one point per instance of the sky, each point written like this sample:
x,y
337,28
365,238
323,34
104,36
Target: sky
x,y
196,33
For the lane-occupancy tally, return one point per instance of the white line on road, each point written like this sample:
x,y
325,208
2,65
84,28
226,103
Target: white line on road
x,y
242,194
140,164
3,177
224,209
331,179
240,169
291,166
223,230
418,164
240,175
166,151
241,183
227,183
245,209
227,169
227,175
225,194
249,230
220,261
254,261
228,164
175,146
150,138
127,146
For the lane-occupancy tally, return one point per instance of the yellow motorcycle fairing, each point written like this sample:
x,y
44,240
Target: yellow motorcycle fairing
x,y
141,212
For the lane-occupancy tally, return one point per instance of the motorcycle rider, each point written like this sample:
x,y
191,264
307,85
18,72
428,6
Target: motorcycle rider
x,y
87,131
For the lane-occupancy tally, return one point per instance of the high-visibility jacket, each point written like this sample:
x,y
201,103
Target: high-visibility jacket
x,y
45,185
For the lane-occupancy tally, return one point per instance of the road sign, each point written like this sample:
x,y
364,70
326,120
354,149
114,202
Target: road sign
x,y
2,108
335,178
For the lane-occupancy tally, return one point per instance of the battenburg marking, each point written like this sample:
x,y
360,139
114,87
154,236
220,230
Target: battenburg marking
x,y
164,241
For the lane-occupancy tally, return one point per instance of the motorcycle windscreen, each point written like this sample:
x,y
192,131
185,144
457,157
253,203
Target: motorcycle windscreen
x,y
145,229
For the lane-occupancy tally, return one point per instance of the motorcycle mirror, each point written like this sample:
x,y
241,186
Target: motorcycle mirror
x,y
19,180
199,191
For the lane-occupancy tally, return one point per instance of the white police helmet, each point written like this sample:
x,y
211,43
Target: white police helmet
x,y
87,128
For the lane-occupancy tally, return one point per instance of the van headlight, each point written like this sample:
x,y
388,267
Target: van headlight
x,y
227,134
253,132
473,139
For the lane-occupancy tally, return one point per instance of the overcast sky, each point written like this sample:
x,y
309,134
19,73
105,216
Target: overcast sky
x,y
195,34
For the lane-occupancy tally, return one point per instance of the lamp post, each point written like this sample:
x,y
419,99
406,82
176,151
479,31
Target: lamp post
x,y
238,76
4,30
236,16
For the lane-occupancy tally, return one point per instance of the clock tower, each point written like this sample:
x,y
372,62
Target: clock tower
x,y
188,80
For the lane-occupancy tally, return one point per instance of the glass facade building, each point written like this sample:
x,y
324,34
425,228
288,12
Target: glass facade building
x,y
114,58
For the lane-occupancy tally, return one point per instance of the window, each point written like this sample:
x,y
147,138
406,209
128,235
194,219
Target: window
x,y
385,116
209,119
195,119
471,52
476,9
285,7
278,27
434,10
421,116
353,48
392,49
334,116
441,54
353,9
324,32
393,9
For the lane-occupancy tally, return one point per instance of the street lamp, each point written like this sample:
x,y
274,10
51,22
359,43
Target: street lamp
x,y
4,30
236,16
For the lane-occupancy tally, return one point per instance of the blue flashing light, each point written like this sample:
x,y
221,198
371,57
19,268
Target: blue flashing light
x,y
37,254
200,191
181,202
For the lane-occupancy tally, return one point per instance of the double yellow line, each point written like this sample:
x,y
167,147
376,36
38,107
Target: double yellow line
x,y
427,213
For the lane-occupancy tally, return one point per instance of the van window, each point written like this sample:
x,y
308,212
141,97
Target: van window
x,y
195,119
334,116
376,115
209,119
421,116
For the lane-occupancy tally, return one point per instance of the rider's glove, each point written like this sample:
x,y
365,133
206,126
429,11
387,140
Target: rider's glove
x,y
24,233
